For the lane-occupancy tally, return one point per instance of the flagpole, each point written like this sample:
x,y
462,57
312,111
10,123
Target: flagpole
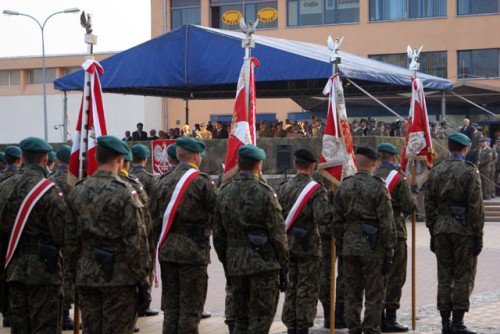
x,y
335,61
248,43
414,66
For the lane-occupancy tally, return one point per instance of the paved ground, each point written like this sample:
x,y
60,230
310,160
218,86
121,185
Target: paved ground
x,y
484,316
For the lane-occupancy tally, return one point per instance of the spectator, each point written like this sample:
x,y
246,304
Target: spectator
x,y
203,133
210,128
152,135
171,134
444,131
127,137
280,132
185,131
177,133
434,130
139,134
318,129
364,126
220,131
467,129
264,131
356,130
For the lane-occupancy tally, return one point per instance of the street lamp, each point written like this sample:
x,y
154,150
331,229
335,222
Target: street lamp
x,y
44,82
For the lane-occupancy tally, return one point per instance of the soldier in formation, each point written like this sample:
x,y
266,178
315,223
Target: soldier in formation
x,y
33,215
305,207
251,244
455,218
403,203
107,243
364,220
12,159
486,164
182,224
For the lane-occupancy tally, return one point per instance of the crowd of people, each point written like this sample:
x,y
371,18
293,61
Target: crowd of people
x,y
110,235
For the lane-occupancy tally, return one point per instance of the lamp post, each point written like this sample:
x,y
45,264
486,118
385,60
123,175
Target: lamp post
x,y
44,77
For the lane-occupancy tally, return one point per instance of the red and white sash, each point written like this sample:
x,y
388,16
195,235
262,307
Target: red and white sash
x,y
299,204
23,214
392,179
168,216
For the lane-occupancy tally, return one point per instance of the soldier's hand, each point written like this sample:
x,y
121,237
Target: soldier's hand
x,y
387,265
432,245
478,245
283,277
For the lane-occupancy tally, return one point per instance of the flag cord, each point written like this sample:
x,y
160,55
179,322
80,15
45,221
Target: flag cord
x,y
374,98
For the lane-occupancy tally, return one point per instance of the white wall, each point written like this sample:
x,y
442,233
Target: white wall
x,y
22,116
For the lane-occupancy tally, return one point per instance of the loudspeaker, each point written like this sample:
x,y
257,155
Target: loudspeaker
x,y
283,156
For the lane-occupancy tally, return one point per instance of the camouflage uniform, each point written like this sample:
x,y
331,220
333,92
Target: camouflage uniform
x,y
147,179
8,173
252,269
60,178
109,217
486,164
301,296
35,292
456,183
363,201
185,254
403,204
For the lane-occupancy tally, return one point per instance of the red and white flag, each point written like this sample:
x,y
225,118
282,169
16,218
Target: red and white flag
x,y
337,156
96,124
418,144
243,123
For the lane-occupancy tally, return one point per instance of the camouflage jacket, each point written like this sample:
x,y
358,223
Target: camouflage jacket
x,y
188,239
316,212
45,225
245,208
403,201
146,216
364,199
108,216
456,183
60,178
485,159
8,173
147,179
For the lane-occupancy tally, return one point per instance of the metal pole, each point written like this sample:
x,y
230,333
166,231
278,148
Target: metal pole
x,y
44,78
443,105
65,117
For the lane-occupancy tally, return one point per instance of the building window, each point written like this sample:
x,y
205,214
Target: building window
x,y
249,9
36,76
10,78
433,63
319,12
475,7
69,70
478,64
185,12
391,10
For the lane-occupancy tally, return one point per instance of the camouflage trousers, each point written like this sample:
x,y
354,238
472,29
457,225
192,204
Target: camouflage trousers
x,y
68,287
229,305
456,270
256,297
324,289
184,289
108,309
301,297
35,308
364,276
396,277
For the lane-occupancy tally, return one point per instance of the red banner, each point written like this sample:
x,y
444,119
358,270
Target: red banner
x,y
159,155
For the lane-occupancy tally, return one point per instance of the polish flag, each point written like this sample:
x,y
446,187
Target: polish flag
x,y
243,123
418,144
337,155
96,124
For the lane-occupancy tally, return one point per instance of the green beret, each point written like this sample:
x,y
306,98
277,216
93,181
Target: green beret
x,y
459,138
128,156
202,143
387,147
367,152
172,151
13,151
251,152
190,144
113,143
63,153
34,144
2,157
306,155
52,156
140,151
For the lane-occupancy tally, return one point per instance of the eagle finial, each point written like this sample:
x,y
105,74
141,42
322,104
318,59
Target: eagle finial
x,y
86,22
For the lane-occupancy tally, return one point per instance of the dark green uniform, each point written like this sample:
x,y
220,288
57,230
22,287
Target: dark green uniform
x,y
403,204
364,220
455,218
304,246
185,253
147,179
108,251
35,288
250,240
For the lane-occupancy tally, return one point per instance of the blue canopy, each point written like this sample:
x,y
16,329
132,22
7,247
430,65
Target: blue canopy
x,y
195,62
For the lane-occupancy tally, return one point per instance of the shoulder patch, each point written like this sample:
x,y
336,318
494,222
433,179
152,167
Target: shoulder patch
x,y
133,179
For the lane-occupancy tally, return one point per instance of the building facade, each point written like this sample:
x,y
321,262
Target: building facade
x,y
459,37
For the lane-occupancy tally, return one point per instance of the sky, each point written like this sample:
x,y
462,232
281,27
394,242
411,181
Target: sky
x,y
118,24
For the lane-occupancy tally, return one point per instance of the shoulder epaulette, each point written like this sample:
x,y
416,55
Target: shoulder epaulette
x,y
379,179
121,182
133,179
